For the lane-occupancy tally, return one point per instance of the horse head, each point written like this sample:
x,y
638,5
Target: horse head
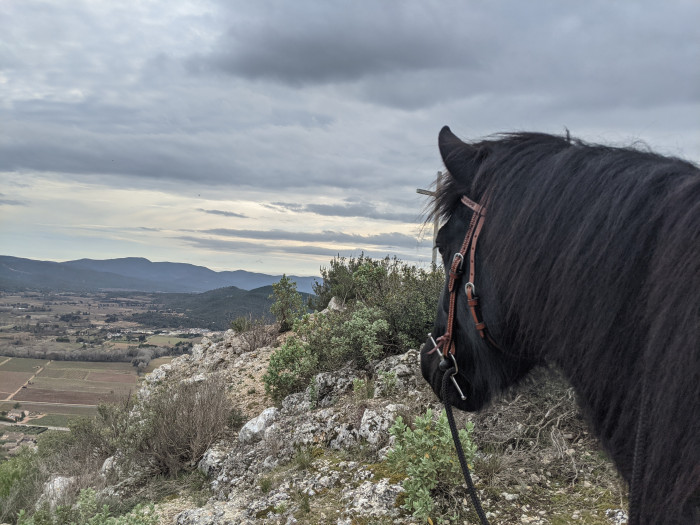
x,y
486,362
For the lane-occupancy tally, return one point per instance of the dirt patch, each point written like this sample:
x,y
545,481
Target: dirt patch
x,y
11,381
62,396
113,377
63,373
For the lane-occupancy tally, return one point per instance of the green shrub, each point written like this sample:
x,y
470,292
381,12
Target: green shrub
x,y
389,383
338,337
88,512
406,295
291,367
21,482
242,323
426,456
288,305
362,389
359,338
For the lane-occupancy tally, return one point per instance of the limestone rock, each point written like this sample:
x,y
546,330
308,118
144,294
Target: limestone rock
x,y
210,464
376,423
327,386
373,499
397,374
55,491
254,429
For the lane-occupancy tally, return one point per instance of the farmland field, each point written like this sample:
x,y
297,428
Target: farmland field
x,y
71,410
155,363
11,381
91,365
22,364
68,397
63,390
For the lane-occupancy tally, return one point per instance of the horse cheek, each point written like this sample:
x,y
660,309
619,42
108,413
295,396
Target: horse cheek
x,y
429,368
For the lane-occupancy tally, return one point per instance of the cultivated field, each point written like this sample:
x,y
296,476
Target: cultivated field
x,y
62,390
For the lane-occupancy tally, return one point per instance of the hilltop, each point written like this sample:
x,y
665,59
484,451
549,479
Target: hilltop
x,y
329,424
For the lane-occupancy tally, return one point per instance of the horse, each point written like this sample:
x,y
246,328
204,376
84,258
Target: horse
x,y
588,260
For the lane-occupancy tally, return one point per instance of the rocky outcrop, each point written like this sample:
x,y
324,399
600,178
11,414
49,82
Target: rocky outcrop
x,y
285,455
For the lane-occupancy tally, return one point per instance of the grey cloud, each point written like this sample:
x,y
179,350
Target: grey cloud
x,y
228,246
351,209
394,239
309,42
413,55
222,212
10,202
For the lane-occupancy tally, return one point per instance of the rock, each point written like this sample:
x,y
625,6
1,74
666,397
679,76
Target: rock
x,y
197,378
373,499
346,438
334,305
298,403
159,374
327,386
55,491
200,349
254,429
375,424
616,516
397,374
211,461
110,469
216,513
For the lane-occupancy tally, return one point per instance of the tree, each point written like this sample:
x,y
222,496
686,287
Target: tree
x,y
288,305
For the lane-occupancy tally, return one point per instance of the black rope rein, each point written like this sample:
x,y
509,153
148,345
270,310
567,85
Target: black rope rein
x,y
460,452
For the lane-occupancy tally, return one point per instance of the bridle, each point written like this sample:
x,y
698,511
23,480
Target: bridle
x,y
445,342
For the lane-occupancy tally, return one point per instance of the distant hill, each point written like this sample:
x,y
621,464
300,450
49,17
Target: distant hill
x,y
214,309
129,273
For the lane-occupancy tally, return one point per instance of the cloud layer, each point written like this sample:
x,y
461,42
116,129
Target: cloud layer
x,y
303,123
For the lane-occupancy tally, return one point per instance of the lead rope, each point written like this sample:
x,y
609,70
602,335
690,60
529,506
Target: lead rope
x,y
460,452
635,495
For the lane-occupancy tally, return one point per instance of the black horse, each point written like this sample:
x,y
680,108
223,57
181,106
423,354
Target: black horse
x,y
589,260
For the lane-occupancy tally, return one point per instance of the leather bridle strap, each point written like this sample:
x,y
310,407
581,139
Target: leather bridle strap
x,y
476,224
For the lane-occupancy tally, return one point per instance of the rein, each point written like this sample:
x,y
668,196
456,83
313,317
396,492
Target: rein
x,y
445,342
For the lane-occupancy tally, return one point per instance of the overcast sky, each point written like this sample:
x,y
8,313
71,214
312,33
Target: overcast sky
x,y
272,135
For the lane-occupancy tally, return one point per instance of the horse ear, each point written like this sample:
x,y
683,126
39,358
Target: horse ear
x,y
461,159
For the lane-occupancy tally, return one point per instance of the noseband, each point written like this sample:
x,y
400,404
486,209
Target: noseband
x,y
445,342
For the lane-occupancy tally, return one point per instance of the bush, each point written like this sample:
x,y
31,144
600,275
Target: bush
x,y
288,305
359,338
407,296
355,335
177,423
87,512
291,367
254,332
21,483
426,456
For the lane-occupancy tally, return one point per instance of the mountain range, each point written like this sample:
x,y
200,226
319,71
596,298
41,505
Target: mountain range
x,y
129,273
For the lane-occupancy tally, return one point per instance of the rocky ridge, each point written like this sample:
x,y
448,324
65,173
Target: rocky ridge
x,y
317,458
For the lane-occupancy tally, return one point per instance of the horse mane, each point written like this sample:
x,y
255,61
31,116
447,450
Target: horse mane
x,y
595,253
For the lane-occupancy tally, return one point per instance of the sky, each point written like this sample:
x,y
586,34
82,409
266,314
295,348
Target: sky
x,y
271,136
